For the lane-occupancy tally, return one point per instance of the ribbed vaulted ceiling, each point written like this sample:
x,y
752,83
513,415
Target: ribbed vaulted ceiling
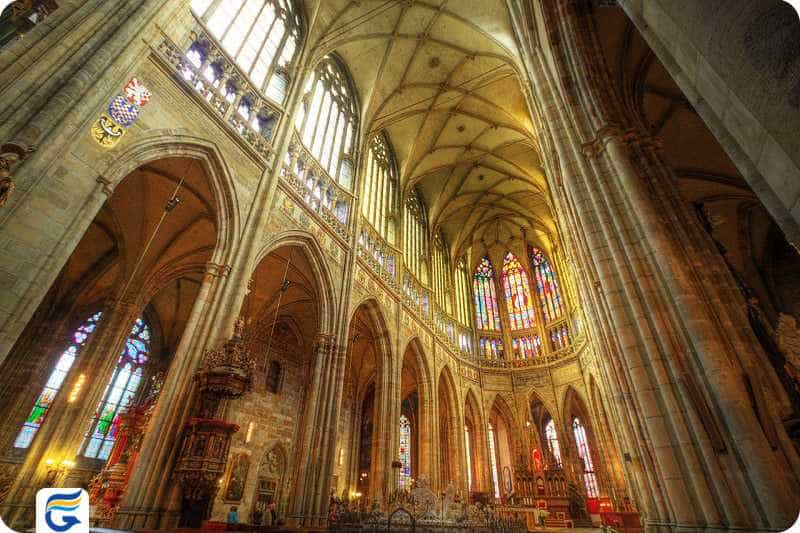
x,y
441,77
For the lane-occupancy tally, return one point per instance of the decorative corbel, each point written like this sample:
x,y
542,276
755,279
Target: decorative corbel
x,y
11,153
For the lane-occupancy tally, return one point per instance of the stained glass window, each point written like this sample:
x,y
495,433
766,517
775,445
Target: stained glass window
x,y
493,460
546,286
526,347
491,348
54,382
552,441
262,36
405,453
486,314
121,389
560,337
517,293
327,123
589,477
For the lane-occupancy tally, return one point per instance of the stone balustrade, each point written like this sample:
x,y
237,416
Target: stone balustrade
x,y
224,89
319,192
379,255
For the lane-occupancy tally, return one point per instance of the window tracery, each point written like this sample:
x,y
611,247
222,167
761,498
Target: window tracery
x,y
493,460
463,312
56,379
487,316
491,347
120,391
328,118
379,206
546,285
517,293
552,441
589,477
261,36
415,238
442,276
526,347
405,453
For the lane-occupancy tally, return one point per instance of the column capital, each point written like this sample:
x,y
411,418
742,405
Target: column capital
x,y
324,342
630,137
217,270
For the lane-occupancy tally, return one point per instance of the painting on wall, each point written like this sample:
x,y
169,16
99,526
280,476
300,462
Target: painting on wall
x,y
237,477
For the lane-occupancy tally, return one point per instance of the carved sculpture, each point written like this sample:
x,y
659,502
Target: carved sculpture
x,y
10,155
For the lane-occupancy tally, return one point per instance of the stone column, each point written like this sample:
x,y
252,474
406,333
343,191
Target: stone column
x,y
150,489
733,63
313,442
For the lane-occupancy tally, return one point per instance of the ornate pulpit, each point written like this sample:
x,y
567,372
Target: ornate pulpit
x,y
226,374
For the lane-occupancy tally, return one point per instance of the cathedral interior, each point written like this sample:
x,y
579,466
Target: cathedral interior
x,y
452,265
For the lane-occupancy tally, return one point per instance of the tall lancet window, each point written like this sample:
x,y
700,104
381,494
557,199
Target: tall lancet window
x,y
57,376
589,477
493,460
379,206
552,441
415,238
546,286
328,119
262,36
463,312
121,389
442,274
487,316
517,293
405,453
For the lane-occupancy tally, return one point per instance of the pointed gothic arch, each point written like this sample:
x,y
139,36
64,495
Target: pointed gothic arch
x,y
364,458
583,444
474,444
450,427
416,404
503,437
318,263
